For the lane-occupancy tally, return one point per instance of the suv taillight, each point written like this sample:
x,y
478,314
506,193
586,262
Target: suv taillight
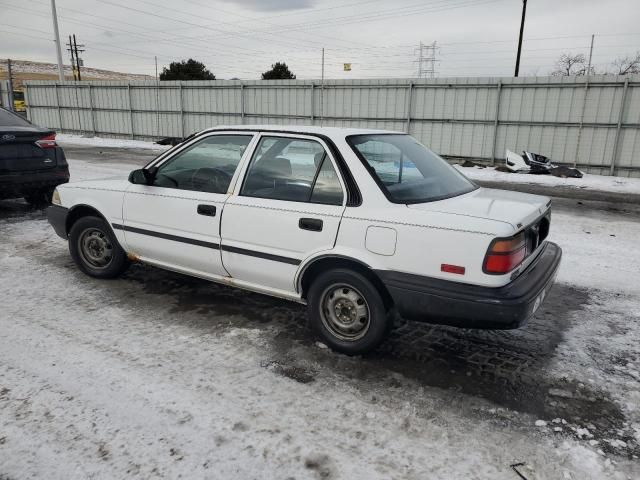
x,y
47,142
505,254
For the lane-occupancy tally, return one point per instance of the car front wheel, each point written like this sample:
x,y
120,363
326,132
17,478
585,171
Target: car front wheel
x,y
95,250
347,311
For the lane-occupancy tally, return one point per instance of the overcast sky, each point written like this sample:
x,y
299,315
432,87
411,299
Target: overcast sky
x,y
242,38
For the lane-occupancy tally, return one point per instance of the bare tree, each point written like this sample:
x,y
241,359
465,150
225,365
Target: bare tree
x,y
569,64
627,65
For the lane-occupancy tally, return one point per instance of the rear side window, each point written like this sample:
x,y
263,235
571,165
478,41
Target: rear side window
x,y
294,170
406,171
8,119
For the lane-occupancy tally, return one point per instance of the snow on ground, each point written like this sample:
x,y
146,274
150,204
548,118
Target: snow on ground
x,y
609,242
22,69
67,138
156,375
593,182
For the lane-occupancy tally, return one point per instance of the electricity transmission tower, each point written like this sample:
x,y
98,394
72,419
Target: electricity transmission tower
x,y
427,60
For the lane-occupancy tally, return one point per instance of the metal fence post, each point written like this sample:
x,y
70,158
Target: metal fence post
x,y
584,106
409,100
93,112
616,142
12,105
313,102
58,105
182,135
130,109
242,103
27,98
496,123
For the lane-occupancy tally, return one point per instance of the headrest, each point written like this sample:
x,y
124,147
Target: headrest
x,y
279,166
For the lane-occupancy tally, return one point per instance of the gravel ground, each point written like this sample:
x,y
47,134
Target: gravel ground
x,y
159,375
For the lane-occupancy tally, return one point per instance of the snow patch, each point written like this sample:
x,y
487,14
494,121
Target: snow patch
x,y
588,181
67,138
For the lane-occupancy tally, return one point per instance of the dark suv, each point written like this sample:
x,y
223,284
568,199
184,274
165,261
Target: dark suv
x,y
31,162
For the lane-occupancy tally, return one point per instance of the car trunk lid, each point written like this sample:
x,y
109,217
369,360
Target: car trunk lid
x,y
20,152
515,208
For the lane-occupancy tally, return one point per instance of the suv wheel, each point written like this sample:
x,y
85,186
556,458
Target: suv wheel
x,y
347,311
95,249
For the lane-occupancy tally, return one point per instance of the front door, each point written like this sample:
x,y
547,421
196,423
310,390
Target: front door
x,y
288,207
176,221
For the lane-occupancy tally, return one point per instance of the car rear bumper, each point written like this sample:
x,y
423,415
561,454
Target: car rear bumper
x,y
470,306
57,217
17,184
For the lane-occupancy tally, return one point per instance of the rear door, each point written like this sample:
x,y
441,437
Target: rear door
x,y
24,146
289,206
176,221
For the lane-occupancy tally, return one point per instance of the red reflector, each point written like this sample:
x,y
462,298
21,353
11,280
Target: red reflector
x,y
47,142
445,267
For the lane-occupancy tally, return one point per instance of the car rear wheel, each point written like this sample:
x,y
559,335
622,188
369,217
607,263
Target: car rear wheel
x,y
347,311
95,249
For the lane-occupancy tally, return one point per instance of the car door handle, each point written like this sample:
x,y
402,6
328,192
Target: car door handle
x,y
208,210
313,224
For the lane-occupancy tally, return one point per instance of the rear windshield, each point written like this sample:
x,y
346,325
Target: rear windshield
x,y
8,119
407,171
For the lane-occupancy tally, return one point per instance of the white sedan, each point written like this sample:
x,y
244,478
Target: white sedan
x,y
356,224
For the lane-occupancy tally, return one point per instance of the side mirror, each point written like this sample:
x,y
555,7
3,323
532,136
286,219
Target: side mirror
x,y
143,176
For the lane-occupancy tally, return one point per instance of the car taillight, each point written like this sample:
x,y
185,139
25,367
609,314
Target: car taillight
x,y
47,142
505,254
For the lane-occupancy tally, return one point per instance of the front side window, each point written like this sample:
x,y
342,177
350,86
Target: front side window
x,y
292,169
406,171
206,166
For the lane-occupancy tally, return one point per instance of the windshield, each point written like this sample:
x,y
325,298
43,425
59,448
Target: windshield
x,y
407,171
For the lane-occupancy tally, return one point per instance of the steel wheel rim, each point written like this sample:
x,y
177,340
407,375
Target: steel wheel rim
x,y
345,312
95,248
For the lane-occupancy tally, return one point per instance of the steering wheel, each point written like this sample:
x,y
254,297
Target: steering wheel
x,y
216,177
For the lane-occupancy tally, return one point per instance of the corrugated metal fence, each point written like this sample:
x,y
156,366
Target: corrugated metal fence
x,y
593,122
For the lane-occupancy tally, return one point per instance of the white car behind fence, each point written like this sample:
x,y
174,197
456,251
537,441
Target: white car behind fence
x,y
357,224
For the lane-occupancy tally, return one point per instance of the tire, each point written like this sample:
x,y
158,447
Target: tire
x,y
347,312
95,249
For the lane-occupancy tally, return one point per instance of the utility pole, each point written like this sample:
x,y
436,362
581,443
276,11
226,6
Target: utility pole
x,y
590,55
73,60
155,58
322,91
78,59
57,40
524,11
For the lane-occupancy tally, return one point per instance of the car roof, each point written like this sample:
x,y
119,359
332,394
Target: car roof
x,y
332,132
